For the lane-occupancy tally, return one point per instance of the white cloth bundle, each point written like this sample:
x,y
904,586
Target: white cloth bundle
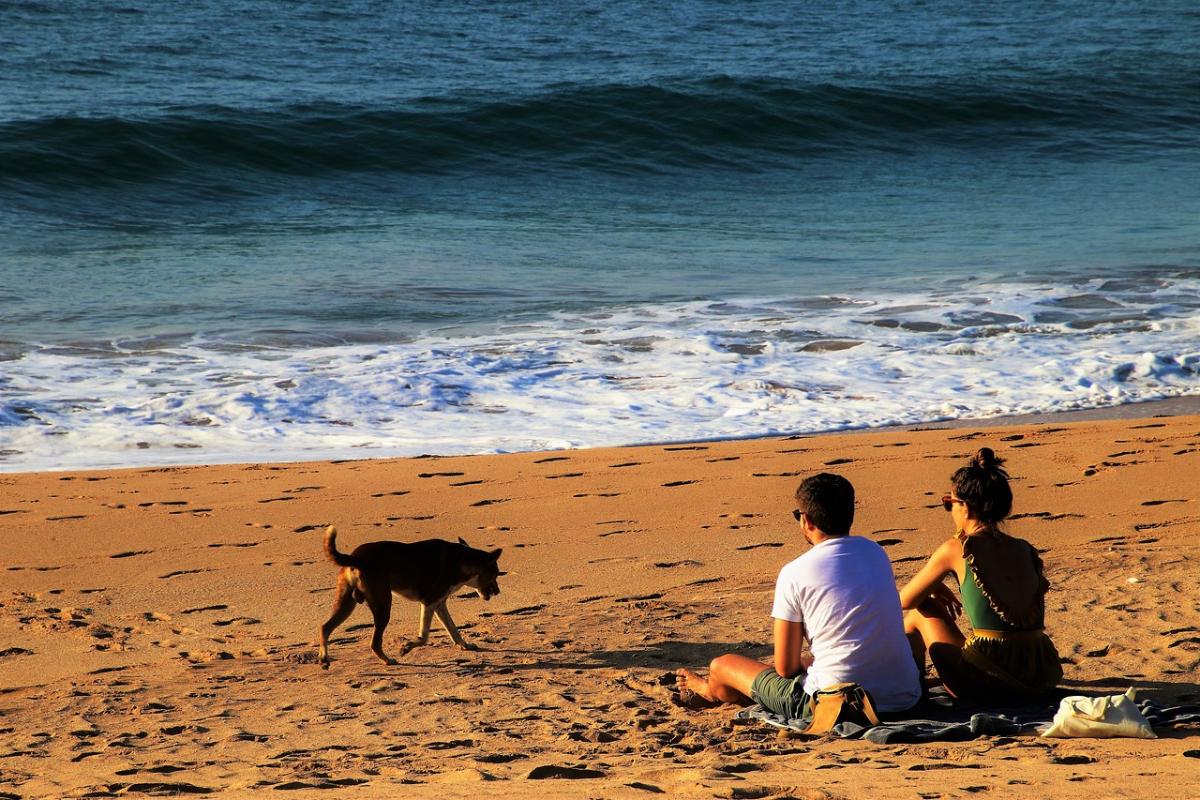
x,y
1099,718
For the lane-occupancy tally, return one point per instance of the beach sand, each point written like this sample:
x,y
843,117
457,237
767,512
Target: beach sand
x,y
157,626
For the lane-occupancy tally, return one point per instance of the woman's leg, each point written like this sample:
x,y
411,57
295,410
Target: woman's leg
x,y
930,630
729,679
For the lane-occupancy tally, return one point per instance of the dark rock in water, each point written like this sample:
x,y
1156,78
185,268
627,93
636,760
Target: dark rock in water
x,y
830,345
1083,301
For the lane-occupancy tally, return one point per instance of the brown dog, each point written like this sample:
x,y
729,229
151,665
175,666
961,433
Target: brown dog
x,y
428,572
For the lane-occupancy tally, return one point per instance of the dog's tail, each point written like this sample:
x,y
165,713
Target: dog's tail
x,y
331,551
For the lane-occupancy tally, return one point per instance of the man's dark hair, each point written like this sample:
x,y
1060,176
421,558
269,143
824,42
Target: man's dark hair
x,y
828,502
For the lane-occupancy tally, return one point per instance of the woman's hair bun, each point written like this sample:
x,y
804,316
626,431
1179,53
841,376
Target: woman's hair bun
x,y
986,459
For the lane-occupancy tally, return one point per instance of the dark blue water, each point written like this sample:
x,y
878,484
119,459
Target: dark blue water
x,y
295,175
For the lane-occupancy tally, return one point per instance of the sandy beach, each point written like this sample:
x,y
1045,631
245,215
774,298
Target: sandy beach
x,y
157,626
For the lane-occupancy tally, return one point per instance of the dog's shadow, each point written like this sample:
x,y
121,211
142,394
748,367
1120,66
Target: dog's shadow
x,y
657,655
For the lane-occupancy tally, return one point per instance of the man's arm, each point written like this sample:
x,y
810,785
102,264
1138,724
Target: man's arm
x,y
789,644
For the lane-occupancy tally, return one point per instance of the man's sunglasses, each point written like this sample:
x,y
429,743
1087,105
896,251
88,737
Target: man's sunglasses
x,y
798,514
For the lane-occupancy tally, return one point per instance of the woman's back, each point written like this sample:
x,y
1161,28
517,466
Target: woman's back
x,y
1003,588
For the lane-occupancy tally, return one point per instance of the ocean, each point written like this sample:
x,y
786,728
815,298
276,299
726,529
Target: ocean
x,y
244,231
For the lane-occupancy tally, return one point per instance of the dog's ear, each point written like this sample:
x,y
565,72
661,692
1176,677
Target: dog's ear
x,y
463,542
495,554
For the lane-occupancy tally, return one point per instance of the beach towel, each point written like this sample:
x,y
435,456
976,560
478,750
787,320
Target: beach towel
x,y
939,718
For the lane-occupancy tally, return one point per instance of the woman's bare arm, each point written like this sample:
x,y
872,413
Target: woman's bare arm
x,y
928,582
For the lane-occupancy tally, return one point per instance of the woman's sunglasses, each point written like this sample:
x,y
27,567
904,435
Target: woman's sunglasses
x,y
948,501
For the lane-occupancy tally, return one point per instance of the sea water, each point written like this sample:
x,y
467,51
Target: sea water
x,y
235,230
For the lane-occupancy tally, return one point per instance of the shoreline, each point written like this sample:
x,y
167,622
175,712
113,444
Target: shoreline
x,y
1166,407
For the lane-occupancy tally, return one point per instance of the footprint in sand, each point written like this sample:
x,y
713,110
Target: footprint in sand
x,y
889,542
761,544
492,502
679,483
552,458
613,466
687,562
201,609
150,503
131,553
565,475
722,458
179,572
639,598
234,544
776,474
307,528
620,531
440,474
685,447
4,511
1161,502
276,499
402,492
66,517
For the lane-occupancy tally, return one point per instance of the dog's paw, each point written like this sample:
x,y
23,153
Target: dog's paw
x,y
324,665
469,646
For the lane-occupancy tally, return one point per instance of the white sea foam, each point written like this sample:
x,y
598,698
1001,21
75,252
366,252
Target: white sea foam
x,y
651,373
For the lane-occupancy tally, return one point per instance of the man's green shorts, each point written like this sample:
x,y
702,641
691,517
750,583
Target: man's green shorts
x,y
783,696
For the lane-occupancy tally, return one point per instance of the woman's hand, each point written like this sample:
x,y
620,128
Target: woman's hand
x,y
946,601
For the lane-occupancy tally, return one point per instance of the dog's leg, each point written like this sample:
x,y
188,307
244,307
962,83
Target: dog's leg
x,y
380,602
443,615
343,604
422,630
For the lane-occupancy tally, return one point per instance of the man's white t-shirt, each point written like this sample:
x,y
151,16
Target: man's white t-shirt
x,y
844,592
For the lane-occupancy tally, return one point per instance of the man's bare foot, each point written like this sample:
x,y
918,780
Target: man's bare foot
x,y
693,690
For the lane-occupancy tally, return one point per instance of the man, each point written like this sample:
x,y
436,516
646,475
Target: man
x,y
841,596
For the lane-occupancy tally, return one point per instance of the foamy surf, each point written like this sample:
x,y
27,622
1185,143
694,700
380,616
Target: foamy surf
x,y
646,373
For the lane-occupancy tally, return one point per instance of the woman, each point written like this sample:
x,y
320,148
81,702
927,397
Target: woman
x,y
1003,592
